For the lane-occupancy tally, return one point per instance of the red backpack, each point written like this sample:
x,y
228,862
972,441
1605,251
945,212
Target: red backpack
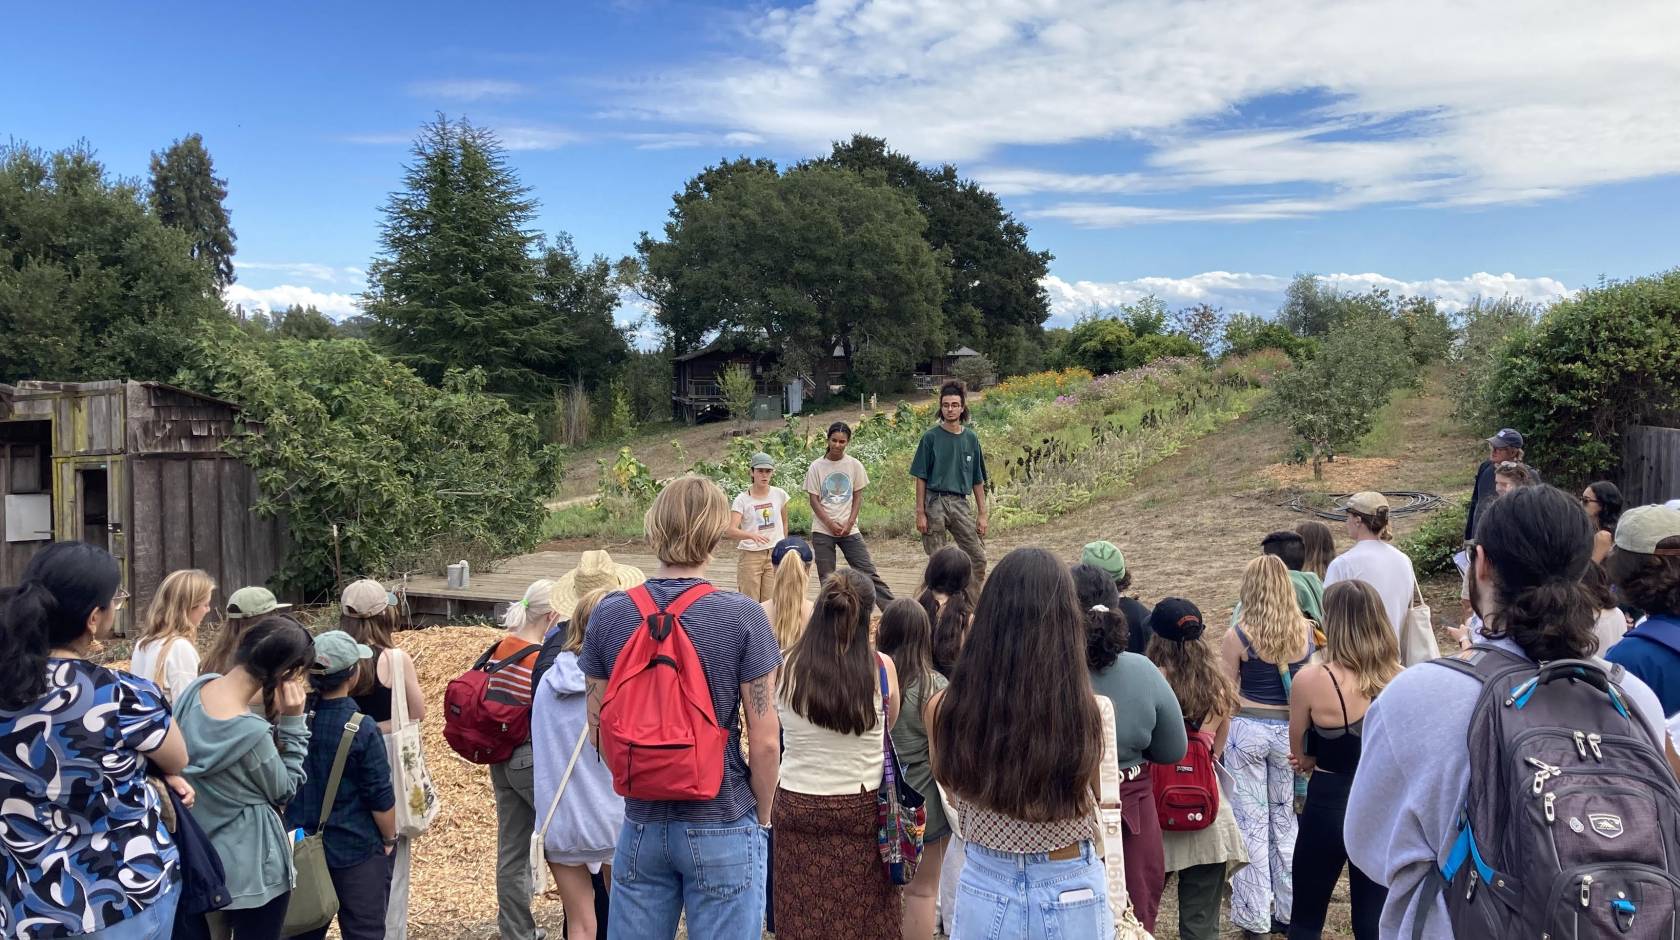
x,y
1186,790
482,724
659,732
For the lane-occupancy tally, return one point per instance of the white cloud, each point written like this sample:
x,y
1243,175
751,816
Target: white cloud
x,y
679,140
1263,293
269,299
1457,102
467,89
516,136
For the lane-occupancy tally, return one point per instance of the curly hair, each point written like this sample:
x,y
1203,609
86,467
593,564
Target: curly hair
x,y
1648,582
1192,671
1270,614
1106,631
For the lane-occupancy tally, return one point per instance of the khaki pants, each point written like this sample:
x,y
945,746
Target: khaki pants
x,y
950,517
753,574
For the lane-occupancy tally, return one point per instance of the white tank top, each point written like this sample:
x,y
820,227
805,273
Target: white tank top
x,y
818,761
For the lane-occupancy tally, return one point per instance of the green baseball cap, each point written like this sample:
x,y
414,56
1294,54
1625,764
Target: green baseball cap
x,y
336,651
250,602
1106,556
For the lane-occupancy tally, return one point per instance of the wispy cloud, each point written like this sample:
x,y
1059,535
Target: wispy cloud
x,y
307,270
681,140
1264,293
467,89
269,299
1437,102
514,135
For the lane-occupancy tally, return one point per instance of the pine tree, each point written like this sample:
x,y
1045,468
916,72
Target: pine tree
x,y
186,194
456,286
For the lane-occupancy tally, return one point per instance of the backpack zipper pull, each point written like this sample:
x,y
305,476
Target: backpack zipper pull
x,y
1593,741
1475,879
1551,807
1581,744
1586,890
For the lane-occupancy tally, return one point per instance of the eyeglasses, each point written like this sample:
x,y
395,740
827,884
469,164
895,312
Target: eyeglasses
x,y
119,600
1586,499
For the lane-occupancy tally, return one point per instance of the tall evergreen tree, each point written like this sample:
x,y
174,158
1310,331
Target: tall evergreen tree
x,y
92,285
187,194
457,283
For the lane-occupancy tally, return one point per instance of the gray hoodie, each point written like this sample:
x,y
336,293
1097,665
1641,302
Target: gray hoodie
x,y
1413,775
241,778
586,824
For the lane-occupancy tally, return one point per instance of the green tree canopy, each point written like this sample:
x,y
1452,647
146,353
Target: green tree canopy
x,y
806,261
463,282
92,284
186,194
579,298
993,299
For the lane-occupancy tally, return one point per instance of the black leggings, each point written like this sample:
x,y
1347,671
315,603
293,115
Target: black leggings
x,y
251,923
1320,854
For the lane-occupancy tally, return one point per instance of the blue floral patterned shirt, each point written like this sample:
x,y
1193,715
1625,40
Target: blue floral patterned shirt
x,y
82,846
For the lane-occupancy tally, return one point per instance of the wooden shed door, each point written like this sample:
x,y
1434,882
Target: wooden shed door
x,y
92,506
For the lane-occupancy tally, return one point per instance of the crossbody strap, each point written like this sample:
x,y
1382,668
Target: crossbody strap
x,y
1109,773
564,779
344,741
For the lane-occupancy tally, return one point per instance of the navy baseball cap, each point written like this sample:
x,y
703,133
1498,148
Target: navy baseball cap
x,y
792,543
1506,438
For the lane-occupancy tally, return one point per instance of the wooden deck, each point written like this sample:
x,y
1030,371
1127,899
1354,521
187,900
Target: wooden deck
x,y
432,601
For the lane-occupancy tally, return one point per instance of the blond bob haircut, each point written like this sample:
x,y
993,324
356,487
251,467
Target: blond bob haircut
x,y
686,520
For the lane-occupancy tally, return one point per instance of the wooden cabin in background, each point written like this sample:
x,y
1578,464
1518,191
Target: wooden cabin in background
x,y
136,468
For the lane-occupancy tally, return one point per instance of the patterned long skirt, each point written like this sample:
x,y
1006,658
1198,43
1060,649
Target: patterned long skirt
x,y
828,875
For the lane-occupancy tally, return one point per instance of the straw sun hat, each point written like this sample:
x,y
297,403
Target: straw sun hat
x,y
596,569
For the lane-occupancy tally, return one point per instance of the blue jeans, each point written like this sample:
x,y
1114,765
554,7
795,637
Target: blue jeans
x,y
156,922
1001,894
715,874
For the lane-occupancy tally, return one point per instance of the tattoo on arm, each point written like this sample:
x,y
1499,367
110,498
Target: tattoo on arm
x,y
760,695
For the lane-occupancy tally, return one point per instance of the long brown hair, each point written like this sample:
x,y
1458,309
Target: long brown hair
x,y
1358,636
948,572
1192,669
829,677
1320,543
905,635
1018,731
374,631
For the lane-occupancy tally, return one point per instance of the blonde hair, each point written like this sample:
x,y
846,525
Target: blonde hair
x,y
1270,614
580,619
788,594
686,520
537,602
1358,637
166,616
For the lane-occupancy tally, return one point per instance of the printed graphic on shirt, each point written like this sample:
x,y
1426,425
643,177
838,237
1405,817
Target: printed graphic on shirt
x,y
836,493
765,513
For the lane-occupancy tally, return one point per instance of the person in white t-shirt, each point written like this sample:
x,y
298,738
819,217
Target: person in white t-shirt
x,y
1373,559
834,483
167,652
758,521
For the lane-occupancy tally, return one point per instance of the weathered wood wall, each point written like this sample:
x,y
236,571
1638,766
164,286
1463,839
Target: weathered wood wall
x,y
1650,465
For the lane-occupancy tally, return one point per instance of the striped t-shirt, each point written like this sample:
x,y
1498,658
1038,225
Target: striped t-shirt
x,y
733,639
513,681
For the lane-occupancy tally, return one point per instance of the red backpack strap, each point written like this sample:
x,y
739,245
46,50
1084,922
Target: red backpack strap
x,y
643,599
686,599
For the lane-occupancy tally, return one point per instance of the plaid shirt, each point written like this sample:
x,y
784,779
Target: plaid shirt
x,y
352,837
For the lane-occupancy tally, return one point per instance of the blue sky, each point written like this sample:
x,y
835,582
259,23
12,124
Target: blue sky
x,y
1201,151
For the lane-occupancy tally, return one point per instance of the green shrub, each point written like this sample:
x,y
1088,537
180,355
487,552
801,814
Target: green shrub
x,y
409,473
1246,333
1594,365
1431,545
1485,330
976,372
1329,401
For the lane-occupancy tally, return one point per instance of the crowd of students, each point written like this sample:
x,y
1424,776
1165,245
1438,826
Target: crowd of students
x,y
1255,767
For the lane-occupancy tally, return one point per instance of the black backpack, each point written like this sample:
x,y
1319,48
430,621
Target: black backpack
x,y
1571,825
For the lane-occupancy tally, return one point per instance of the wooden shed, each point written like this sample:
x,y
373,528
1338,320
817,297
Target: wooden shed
x,y
697,383
136,468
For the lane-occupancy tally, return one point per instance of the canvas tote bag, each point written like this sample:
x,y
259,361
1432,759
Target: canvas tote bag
x,y
1417,633
542,880
416,797
314,900
1110,827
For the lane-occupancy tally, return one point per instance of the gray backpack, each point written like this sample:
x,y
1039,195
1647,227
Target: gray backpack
x,y
1571,825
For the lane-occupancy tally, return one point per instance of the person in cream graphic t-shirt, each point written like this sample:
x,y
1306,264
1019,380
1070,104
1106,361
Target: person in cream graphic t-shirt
x,y
834,484
759,521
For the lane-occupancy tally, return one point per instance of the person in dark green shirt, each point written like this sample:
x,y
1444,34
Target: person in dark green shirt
x,y
948,466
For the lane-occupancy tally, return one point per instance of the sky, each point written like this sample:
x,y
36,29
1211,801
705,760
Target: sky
x,y
1201,150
